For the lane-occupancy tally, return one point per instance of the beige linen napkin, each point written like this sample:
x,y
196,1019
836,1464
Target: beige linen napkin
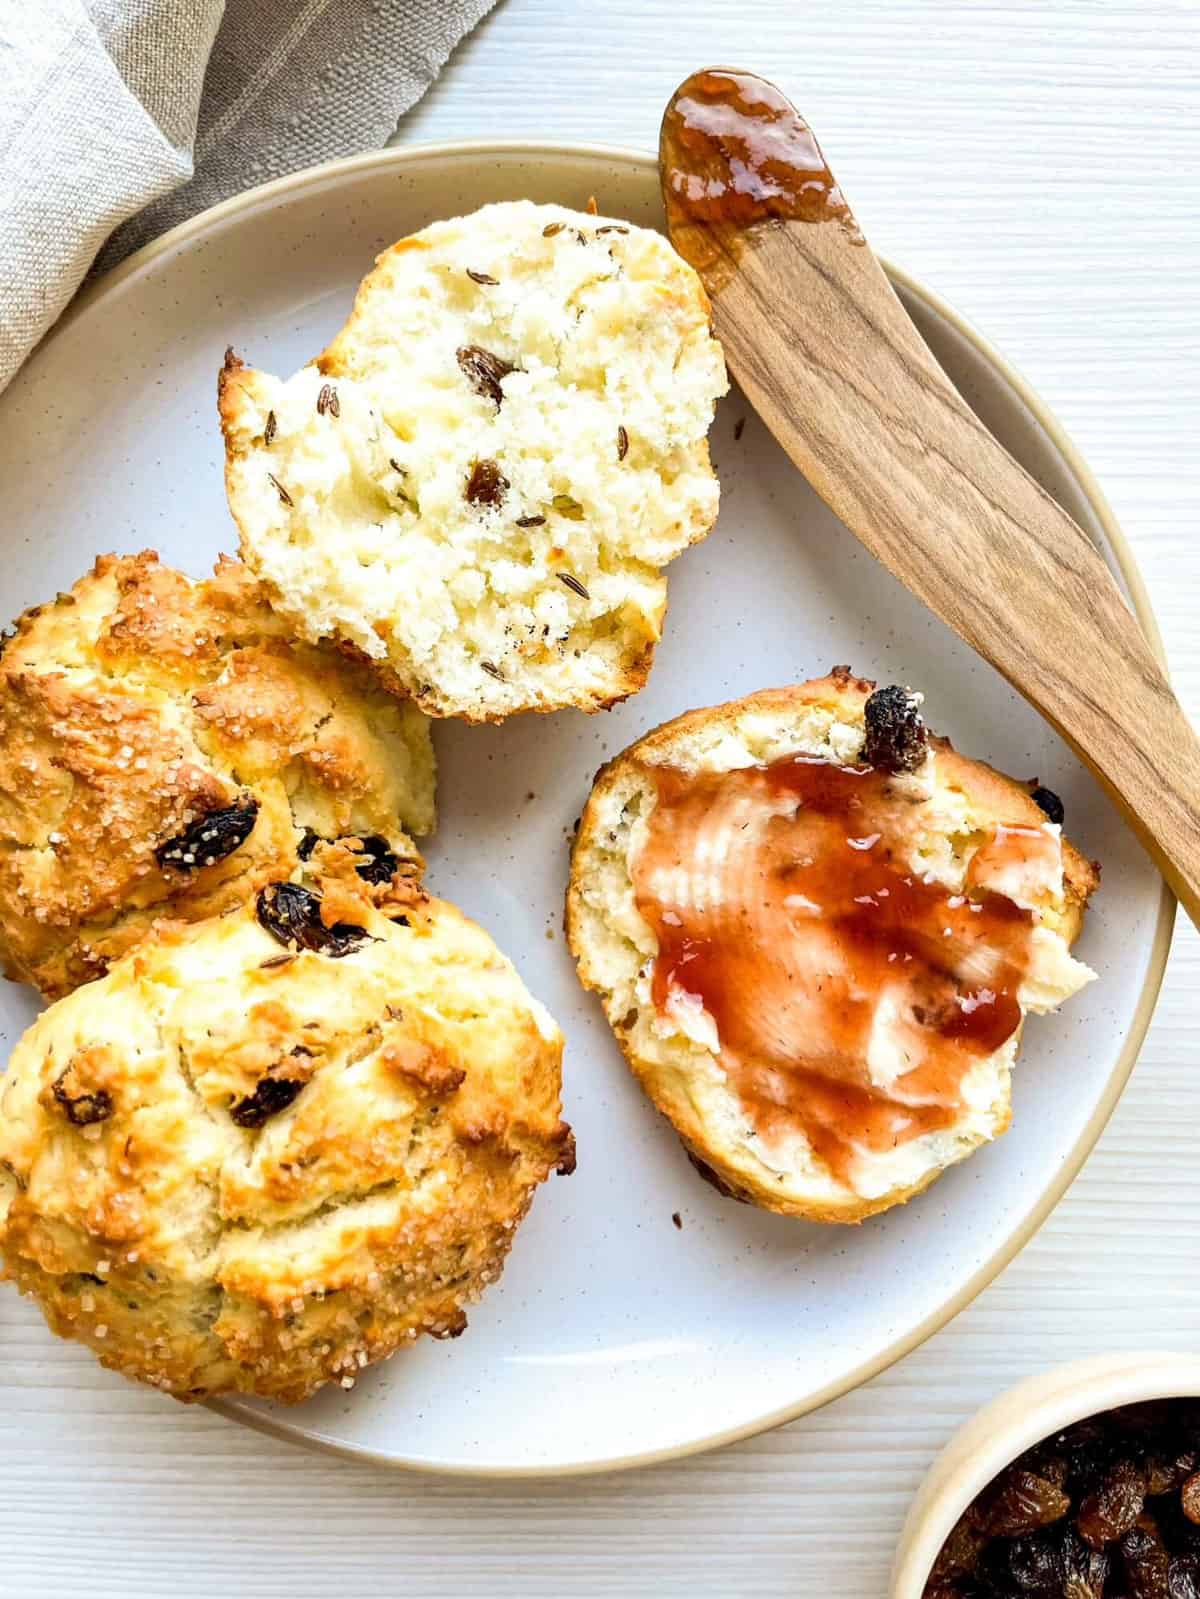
x,y
119,118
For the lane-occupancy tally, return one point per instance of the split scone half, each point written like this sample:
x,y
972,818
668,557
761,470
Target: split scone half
x,y
270,1148
477,484
816,931
166,748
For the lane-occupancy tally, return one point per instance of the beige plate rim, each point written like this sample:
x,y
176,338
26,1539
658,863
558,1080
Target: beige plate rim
x,y
401,155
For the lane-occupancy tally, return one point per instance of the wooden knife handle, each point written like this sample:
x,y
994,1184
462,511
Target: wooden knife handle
x,y
828,357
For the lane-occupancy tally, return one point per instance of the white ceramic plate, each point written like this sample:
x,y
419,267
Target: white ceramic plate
x,y
614,1337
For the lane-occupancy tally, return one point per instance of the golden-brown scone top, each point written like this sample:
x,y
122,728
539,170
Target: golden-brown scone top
x,y
479,483
231,1165
141,703
953,804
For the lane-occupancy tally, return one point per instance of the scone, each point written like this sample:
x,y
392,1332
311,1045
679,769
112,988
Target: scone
x,y
270,1148
166,748
816,931
477,484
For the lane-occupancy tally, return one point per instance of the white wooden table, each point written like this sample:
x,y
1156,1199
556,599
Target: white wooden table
x,y
1038,163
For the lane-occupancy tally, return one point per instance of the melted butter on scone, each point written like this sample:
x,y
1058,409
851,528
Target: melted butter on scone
x,y
848,959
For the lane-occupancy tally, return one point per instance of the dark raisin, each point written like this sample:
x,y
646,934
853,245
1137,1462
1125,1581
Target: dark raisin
x,y
1049,802
1183,1577
484,371
376,862
896,736
270,1096
1053,1468
1144,1558
82,1110
1112,1508
450,1329
292,916
565,1166
1030,1565
959,1555
1181,1536
1149,1416
1084,1570
1088,1450
1020,1502
1159,1472
486,485
714,1179
1082,1437
211,838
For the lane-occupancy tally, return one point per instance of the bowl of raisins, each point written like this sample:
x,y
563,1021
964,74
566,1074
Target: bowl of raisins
x,y
1081,1483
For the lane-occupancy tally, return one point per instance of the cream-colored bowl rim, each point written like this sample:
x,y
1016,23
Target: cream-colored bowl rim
x,y
487,149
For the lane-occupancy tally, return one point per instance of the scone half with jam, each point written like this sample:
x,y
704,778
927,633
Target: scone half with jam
x,y
816,931
271,1148
478,483
166,747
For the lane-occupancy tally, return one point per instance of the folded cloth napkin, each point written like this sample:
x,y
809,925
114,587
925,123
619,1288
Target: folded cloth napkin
x,y
120,118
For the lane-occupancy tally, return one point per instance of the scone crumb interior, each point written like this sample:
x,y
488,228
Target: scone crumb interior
x,y
478,483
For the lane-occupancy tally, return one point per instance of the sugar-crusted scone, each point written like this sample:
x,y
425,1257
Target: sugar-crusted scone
x,y
816,931
165,748
236,1164
478,482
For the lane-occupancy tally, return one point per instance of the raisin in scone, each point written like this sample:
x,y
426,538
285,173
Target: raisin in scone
x,y
477,484
816,931
270,1148
166,748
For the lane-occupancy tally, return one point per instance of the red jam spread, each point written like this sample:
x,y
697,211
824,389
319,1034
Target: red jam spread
x,y
850,994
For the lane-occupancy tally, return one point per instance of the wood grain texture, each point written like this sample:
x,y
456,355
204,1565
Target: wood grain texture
x,y
977,142
827,355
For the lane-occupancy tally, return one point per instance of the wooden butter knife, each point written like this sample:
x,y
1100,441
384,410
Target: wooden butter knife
x,y
830,360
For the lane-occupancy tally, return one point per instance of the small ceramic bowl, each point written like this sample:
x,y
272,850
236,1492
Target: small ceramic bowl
x,y
1011,1424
